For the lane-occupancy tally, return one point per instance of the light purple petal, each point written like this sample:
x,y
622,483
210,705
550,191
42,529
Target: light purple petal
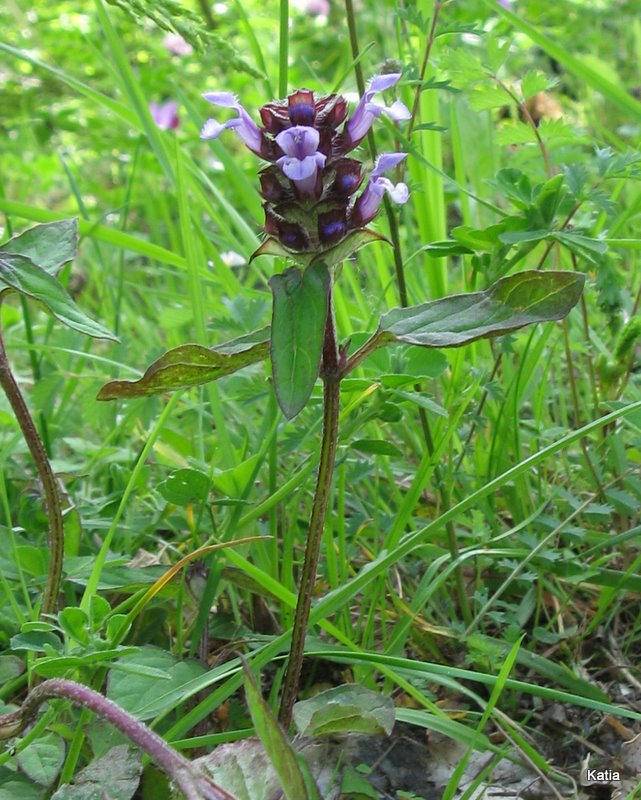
x,y
298,169
387,161
222,99
299,141
175,44
399,193
243,124
211,129
398,111
382,82
165,115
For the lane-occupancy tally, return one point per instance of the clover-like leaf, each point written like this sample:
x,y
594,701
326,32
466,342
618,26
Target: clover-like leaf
x,y
192,365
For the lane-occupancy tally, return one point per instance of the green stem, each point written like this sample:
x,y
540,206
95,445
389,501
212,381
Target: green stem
x,y
47,478
331,405
426,58
389,211
283,48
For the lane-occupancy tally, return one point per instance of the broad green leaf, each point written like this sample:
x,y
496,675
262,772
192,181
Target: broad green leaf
x,y
42,760
35,641
15,786
512,302
59,666
10,667
345,709
241,768
192,365
23,275
75,623
50,245
145,696
276,744
115,776
298,328
185,486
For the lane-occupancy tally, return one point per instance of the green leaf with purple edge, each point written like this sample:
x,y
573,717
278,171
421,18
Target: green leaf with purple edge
x,y
21,274
50,245
192,365
511,303
299,314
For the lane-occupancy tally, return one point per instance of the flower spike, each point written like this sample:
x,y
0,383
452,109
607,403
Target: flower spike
x,y
309,185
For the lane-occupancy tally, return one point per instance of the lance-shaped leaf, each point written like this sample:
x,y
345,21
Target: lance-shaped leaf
x,y
192,365
299,314
50,245
20,273
509,304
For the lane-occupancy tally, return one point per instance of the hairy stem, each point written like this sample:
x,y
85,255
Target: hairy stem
x,y
47,478
194,784
331,398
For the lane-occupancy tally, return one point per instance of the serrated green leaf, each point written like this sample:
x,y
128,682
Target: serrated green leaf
x,y
298,328
192,365
534,82
584,246
277,746
42,760
512,302
50,245
23,275
345,709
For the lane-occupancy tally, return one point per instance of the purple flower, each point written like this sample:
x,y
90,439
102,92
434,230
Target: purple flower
x,y
302,160
366,207
243,124
309,185
318,8
366,112
176,45
165,115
